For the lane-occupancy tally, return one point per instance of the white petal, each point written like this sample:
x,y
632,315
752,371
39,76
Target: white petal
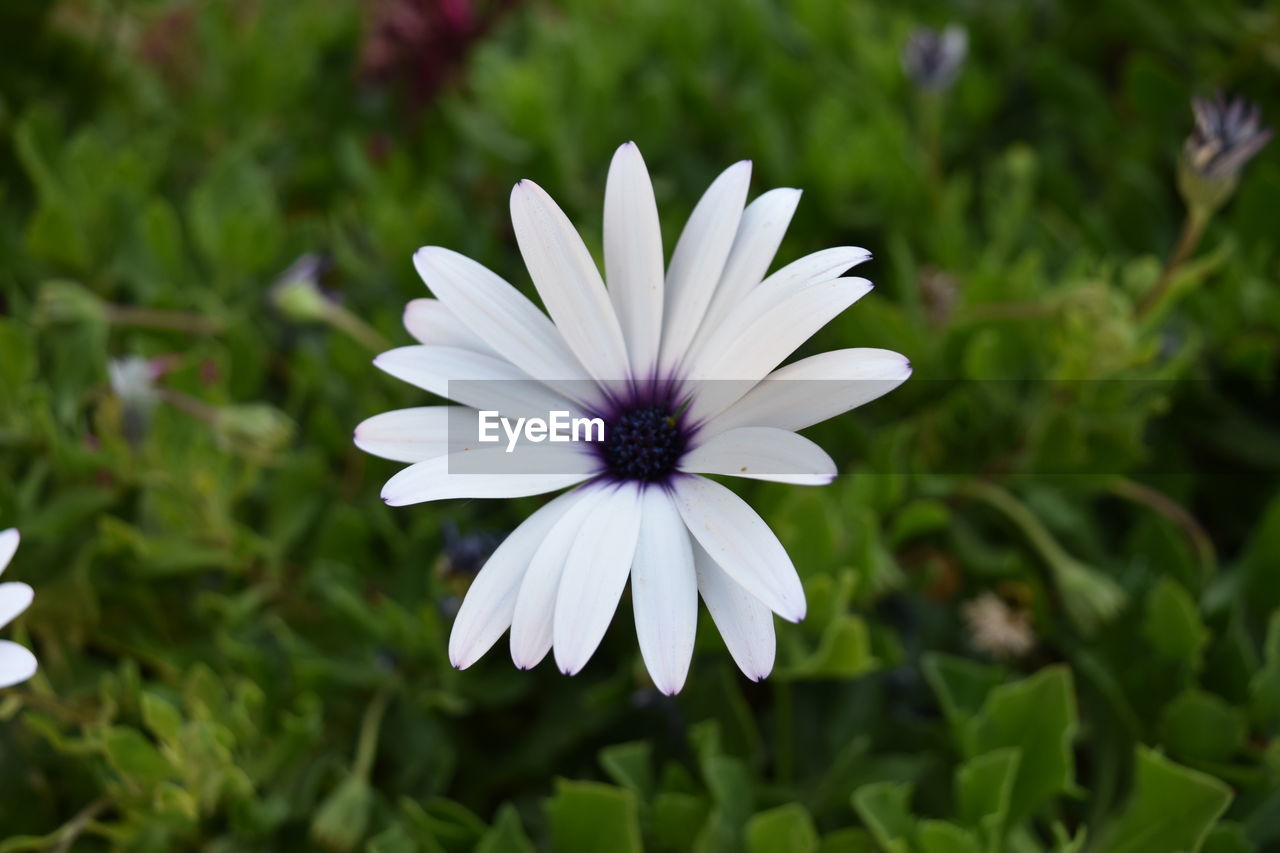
x,y
698,260
814,389
533,619
17,664
741,544
491,472
763,225
407,435
491,600
819,266
633,257
762,453
745,624
14,598
595,573
431,322
768,329
811,269
474,379
664,592
568,282
8,545
499,314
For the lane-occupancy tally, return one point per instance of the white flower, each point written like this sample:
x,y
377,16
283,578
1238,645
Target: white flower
x,y
998,629
673,364
16,663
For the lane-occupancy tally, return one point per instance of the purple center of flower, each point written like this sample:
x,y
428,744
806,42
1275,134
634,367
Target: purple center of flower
x,y
644,443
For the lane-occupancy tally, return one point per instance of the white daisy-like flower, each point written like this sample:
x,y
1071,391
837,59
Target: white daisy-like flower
x,y
17,664
682,368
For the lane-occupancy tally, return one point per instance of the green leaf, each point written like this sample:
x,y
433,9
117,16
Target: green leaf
x,y
1037,716
161,717
984,787
630,765
1172,623
852,840
1264,688
677,819
918,518
1229,837
506,835
844,652
134,756
788,827
961,685
393,839
885,809
1199,726
1172,808
938,836
589,816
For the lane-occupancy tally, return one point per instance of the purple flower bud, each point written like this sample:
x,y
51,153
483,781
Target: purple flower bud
x,y
1227,135
933,59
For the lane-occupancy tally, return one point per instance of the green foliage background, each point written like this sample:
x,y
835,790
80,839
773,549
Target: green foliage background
x,y
242,648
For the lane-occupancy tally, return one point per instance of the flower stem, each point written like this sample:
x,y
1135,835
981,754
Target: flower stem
x,y
360,331
198,409
1192,230
1172,510
156,318
73,828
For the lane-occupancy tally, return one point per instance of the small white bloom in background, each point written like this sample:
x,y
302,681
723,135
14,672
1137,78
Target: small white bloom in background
x,y
17,664
133,381
932,60
683,367
997,629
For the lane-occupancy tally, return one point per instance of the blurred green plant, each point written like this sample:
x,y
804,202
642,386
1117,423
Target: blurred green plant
x,y
242,649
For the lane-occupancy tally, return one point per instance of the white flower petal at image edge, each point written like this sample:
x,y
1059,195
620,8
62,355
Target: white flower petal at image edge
x,y
17,664
643,349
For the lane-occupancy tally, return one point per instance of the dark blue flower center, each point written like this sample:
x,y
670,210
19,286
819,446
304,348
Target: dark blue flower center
x,y
644,443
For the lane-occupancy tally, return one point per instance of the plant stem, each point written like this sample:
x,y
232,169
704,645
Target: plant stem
x,y
198,409
344,321
1163,504
784,720
1192,230
156,318
367,747
73,829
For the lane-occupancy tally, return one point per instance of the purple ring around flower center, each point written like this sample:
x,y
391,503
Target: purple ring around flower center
x,y
646,433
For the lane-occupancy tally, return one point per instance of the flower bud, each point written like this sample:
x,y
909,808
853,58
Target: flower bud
x,y
255,430
1227,135
343,818
59,301
932,59
297,294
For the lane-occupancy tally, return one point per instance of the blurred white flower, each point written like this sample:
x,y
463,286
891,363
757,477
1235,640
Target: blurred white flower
x,y
17,664
133,382
998,629
932,59
673,364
